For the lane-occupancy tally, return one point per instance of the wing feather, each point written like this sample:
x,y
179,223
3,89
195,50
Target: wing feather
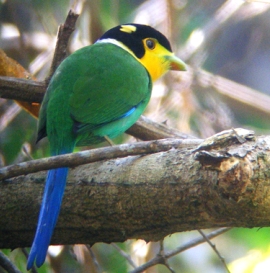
x,y
111,86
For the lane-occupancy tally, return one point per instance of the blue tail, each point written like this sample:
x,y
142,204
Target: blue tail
x,y
52,199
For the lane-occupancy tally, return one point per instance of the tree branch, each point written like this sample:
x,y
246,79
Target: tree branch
x,y
21,89
64,32
218,183
94,155
33,91
146,129
6,264
158,259
215,250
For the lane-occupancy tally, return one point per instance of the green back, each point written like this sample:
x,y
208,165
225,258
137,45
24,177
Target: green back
x,y
90,93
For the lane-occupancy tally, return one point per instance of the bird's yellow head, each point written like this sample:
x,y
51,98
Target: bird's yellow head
x,y
148,46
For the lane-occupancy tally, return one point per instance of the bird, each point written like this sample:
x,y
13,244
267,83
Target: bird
x,y
97,92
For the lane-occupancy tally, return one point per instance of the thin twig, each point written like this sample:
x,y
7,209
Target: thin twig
x,y
161,253
64,32
158,259
96,264
12,111
124,254
26,151
215,249
6,264
95,155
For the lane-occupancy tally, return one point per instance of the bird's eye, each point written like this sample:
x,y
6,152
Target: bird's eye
x,y
150,43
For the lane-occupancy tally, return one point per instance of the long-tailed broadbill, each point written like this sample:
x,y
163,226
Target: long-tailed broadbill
x,y
98,91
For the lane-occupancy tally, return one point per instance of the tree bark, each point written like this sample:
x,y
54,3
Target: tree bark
x,y
222,182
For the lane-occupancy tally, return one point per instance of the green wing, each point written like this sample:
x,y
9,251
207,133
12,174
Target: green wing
x,y
114,84
98,90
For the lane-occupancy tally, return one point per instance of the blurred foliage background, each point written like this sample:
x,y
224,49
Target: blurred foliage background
x,y
226,44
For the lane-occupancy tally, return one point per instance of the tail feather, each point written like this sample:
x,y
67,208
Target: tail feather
x,y
50,208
